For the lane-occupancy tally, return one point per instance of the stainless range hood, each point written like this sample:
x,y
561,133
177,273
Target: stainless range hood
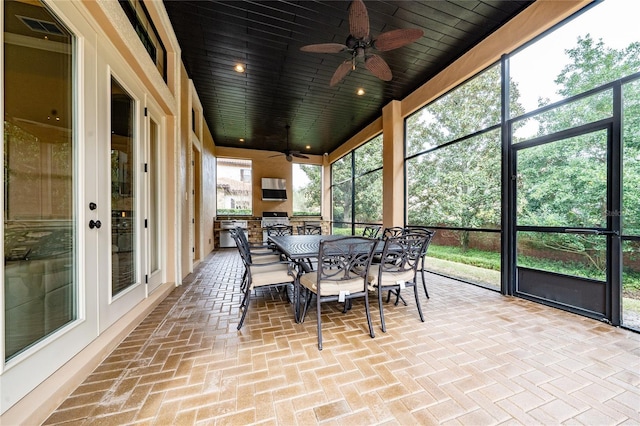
x,y
274,189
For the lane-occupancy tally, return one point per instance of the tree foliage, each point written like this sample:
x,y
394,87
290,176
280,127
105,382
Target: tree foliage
x,y
366,176
564,183
308,198
458,185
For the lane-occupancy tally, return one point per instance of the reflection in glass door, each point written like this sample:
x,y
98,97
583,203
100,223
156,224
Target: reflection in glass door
x,y
563,225
123,197
40,233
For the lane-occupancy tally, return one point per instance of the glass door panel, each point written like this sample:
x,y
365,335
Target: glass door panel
x,y
153,209
123,197
40,235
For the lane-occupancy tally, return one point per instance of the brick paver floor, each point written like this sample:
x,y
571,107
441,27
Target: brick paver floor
x,y
479,358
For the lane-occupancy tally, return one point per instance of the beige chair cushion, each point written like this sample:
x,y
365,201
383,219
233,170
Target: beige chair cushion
x,y
388,278
270,274
258,268
331,287
265,259
260,250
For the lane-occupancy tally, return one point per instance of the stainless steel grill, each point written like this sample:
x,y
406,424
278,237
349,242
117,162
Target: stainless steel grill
x,y
273,218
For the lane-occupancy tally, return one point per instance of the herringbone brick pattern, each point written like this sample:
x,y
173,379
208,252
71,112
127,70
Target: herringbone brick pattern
x,y
479,359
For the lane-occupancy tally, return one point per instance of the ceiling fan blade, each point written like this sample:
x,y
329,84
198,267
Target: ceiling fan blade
x,y
297,154
340,73
396,38
358,19
324,48
378,67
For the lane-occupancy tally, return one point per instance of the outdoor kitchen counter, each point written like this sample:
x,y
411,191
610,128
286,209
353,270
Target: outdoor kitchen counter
x,y
254,228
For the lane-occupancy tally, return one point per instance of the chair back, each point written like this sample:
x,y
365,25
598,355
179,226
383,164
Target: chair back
x,y
310,230
402,253
424,231
371,231
243,245
279,230
393,231
344,260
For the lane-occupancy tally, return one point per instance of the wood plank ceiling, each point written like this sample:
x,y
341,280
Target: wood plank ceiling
x,y
284,86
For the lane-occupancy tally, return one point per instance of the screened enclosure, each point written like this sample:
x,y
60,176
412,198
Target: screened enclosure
x,y
531,179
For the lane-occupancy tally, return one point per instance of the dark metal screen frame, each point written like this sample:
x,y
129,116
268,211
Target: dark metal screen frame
x,y
613,126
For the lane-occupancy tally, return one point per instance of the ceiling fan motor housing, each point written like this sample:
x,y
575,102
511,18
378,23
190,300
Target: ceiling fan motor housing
x,y
353,43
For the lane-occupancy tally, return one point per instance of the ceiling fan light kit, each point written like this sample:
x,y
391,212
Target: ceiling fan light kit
x,y
359,43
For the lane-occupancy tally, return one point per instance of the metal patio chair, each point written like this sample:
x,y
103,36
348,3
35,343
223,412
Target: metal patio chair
x,y
429,234
397,269
268,274
371,231
342,275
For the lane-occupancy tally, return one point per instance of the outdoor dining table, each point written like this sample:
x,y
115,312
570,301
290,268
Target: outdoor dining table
x,y
300,248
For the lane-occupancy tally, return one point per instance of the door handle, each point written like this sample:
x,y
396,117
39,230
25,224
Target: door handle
x,y
94,224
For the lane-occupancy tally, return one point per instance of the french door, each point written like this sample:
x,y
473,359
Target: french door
x,y
52,223
567,235
152,238
120,179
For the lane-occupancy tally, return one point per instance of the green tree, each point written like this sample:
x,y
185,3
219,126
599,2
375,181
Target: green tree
x,y
458,185
368,181
366,174
564,183
311,193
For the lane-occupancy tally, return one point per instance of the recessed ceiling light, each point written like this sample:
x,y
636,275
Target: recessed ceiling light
x,y
360,91
308,147
241,139
239,68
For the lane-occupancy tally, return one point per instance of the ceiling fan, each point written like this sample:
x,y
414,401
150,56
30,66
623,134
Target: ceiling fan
x,y
360,42
289,154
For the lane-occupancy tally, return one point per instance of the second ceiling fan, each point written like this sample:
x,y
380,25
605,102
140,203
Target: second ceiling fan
x,y
360,42
288,153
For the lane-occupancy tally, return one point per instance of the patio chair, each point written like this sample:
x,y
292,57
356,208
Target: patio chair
x,y
256,248
271,274
388,232
371,231
398,269
310,230
257,256
392,231
342,275
429,234
279,230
